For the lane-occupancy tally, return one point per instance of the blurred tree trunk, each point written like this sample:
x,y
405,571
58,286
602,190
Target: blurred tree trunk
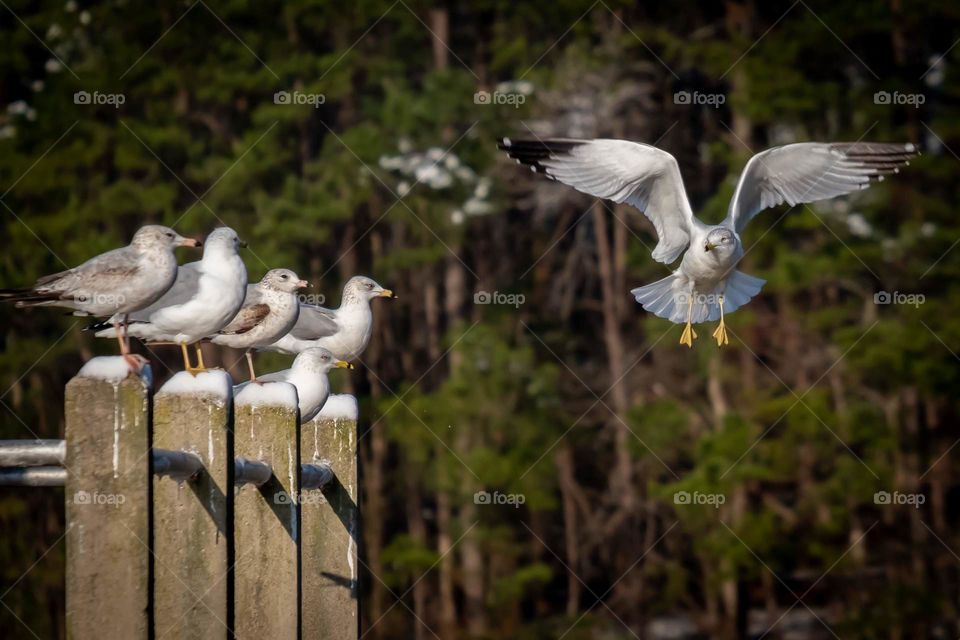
x,y
373,458
621,476
628,589
564,461
418,533
448,607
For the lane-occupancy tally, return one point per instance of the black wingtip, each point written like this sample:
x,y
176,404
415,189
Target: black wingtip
x,y
98,326
533,152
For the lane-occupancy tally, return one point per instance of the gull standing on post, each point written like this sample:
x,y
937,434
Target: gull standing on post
x,y
114,283
309,375
205,297
706,284
269,311
344,331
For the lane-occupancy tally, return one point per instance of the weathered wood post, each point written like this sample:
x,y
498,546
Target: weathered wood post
x,y
266,518
190,517
107,501
330,518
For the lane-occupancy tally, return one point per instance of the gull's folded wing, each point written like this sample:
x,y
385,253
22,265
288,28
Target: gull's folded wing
x,y
314,322
105,272
622,171
184,288
811,171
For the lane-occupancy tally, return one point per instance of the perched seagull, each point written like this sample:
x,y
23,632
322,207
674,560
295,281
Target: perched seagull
x,y
205,297
344,331
309,375
269,311
114,283
706,284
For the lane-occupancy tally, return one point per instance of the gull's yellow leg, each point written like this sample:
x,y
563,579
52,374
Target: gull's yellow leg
x,y
186,357
200,366
689,335
721,332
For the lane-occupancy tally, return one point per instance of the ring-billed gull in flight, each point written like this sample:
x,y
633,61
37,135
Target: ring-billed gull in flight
x,y
205,297
269,311
309,375
706,284
344,331
114,283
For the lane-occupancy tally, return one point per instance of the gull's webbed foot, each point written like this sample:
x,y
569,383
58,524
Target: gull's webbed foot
x,y
720,334
688,335
135,361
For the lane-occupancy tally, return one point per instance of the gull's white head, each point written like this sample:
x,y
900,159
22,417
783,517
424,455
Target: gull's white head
x,y
223,240
283,280
154,236
318,360
721,240
362,288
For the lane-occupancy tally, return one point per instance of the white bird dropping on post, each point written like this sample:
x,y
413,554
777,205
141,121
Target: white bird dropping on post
x,y
345,331
706,284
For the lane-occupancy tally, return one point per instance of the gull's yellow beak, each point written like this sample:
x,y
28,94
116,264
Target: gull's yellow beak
x,y
190,242
343,364
387,293
303,284
709,247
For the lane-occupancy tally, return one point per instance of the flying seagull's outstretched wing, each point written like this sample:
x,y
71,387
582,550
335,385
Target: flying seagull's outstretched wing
x,y
811,171
622,171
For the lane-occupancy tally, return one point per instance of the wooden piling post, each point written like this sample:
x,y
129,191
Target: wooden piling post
x,y
330,518
107,501
266,517
191,524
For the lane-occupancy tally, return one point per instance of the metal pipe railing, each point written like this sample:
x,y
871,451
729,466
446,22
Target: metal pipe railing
x,y
46,476
32,453
315,476
178,465
246,471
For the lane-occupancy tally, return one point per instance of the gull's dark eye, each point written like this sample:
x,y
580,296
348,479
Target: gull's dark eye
x,y
369,285
283,277
169,235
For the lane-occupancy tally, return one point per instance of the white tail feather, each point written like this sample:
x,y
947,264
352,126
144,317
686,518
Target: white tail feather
x,y
670,297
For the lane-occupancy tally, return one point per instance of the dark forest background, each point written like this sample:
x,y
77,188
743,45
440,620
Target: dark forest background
x,y
571,397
